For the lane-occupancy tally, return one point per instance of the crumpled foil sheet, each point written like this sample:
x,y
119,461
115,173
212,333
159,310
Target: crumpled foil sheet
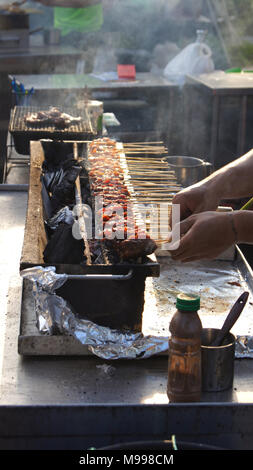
x,y
54,316
63,215
244,347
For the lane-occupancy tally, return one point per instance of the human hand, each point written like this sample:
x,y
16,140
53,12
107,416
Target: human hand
x,y
197,198
204,236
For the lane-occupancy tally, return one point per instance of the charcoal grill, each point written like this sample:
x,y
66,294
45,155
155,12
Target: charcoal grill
x,y
108,294
22,133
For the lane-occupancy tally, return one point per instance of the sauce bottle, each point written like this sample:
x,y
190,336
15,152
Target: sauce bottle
x,y
184,365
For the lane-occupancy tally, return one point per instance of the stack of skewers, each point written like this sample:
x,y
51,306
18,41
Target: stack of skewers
x,y
152,184
149,180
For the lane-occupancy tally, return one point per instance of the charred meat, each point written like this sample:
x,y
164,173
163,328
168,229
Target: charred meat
x,y
53,117
120,230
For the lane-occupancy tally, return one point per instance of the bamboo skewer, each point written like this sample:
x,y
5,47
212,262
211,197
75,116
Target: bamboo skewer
x,y
148,165
153,159
81,220
144,147
147,142
150,168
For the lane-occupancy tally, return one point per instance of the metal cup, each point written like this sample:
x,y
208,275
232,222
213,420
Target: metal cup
x,y
217,361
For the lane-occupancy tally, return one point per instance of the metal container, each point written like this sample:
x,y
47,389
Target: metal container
x,y
95,110
52,36
23,134
217,361
189,170
108,294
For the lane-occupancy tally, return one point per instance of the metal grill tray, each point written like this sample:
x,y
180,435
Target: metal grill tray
x,y
23,134
219,283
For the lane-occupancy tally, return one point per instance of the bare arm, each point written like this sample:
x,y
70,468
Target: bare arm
x,y
69,3
232,181
206,233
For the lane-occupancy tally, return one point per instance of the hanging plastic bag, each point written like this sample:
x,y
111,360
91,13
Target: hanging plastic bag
x,y
194,59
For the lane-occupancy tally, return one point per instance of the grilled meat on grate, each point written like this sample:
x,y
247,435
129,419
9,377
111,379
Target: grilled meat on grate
x,y
53,117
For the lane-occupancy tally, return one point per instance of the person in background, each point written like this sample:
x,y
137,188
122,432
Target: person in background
x,y
81,16
80,22
205,233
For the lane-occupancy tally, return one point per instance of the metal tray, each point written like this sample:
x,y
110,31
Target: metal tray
x,y
219,283
22,134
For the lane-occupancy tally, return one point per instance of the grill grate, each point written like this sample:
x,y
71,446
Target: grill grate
x,y
23,134
18,123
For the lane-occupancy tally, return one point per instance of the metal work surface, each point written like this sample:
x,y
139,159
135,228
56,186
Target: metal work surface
x,y
70,402
76,81
38,51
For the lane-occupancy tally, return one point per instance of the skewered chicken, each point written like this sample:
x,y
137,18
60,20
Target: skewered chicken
x,y
120,230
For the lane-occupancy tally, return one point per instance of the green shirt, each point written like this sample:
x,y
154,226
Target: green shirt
x,y
78,19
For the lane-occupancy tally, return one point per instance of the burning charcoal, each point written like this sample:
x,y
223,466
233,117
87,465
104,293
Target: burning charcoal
x,y
63,248
63,192
52,178
55,152
60,184
132,249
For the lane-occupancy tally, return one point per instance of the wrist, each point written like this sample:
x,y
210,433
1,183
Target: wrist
x,y
243,222
234,227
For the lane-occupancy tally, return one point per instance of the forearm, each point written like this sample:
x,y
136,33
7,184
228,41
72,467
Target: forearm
x,y
234,180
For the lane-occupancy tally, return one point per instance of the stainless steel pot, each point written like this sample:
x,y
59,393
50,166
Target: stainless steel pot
x,y
189,170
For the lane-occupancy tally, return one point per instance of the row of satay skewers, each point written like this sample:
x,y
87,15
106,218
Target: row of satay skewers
x,y
152,183
148,179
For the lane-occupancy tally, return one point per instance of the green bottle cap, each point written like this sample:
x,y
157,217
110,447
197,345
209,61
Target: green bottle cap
x,y
188,302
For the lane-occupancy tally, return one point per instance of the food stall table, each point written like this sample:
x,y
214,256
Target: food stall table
x,y
217,115
61,402
145,104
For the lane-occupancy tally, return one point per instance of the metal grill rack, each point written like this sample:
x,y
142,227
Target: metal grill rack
x,y
22,134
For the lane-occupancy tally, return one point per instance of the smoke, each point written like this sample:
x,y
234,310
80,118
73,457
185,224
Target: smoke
x,y
149,34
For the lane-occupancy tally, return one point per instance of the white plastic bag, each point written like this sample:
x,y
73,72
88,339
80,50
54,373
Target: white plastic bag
x,y
194,59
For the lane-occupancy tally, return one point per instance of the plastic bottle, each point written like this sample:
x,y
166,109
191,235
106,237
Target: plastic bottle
x,y
184,366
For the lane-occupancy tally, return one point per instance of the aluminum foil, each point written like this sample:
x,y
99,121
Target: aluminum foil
x,y
244,347
54,316
63,215
219,284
